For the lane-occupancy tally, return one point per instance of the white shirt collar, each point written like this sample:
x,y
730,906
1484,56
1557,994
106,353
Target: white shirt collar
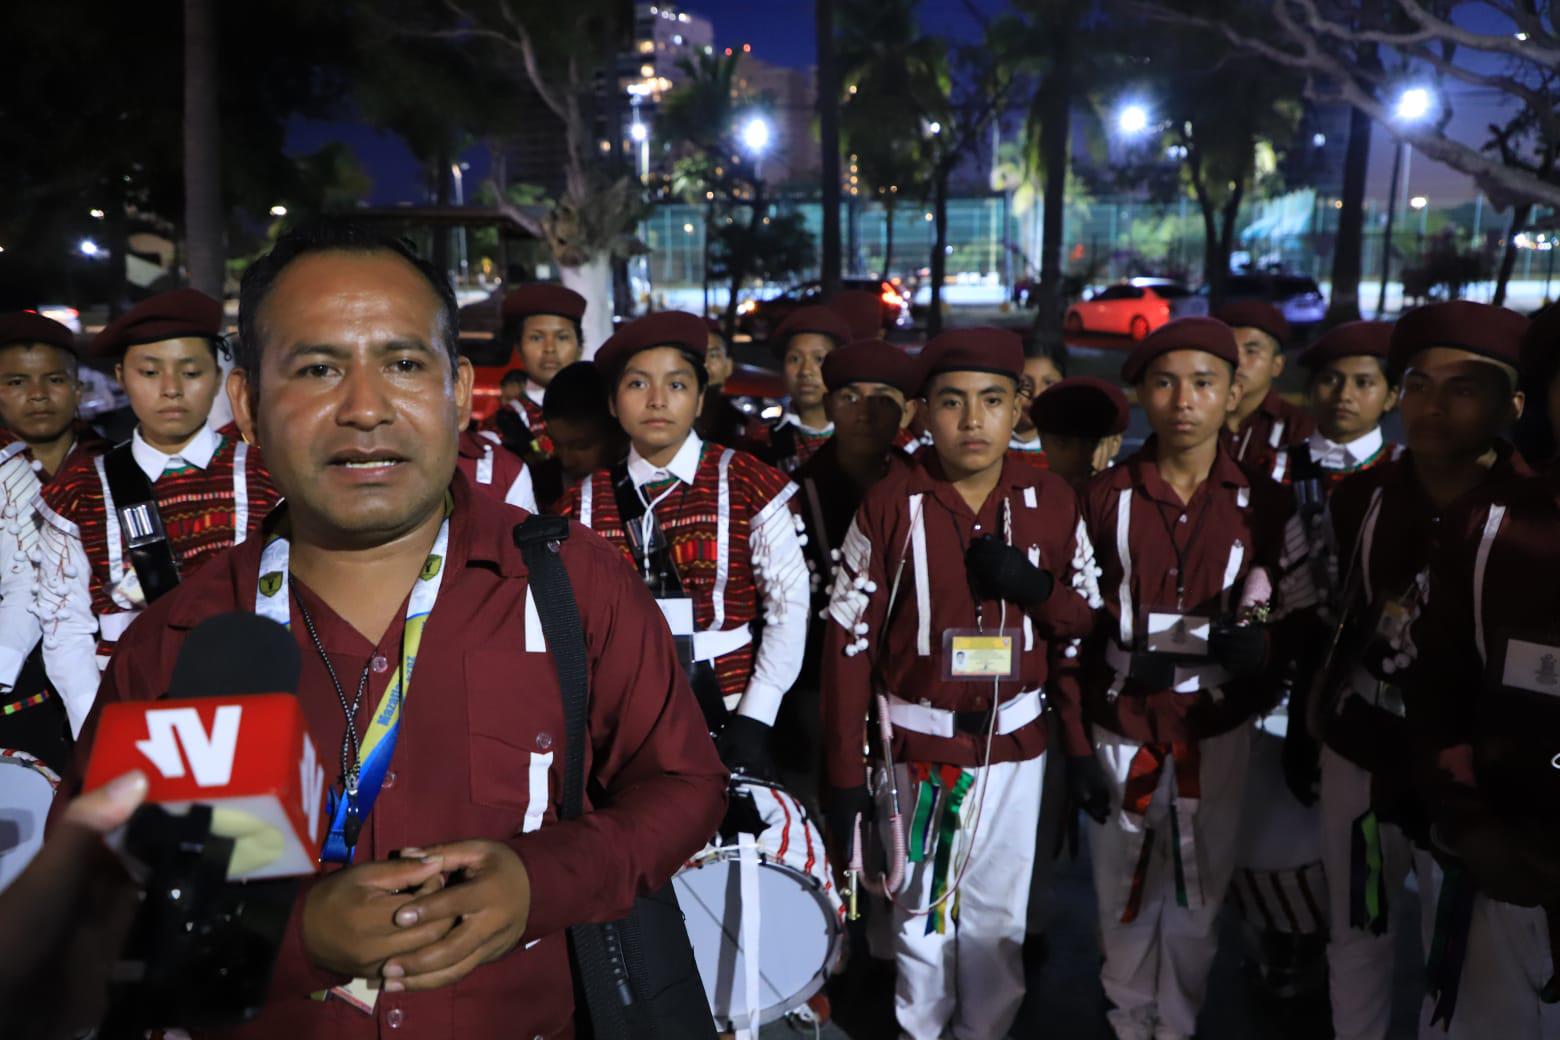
x,y
1017,443
684,465
197,452
535,392
792,419
1332,455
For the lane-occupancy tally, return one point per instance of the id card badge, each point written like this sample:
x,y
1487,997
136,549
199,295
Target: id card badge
x,y
1185,635
969,654
1529,662
678,611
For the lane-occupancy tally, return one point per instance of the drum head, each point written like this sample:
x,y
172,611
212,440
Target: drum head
x,y
26,792
798,937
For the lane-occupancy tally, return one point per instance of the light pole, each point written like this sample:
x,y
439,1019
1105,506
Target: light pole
x,y
457,169
1413,105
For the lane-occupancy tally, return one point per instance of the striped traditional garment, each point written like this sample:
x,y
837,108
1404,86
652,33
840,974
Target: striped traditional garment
x,y
724,593
531,412
198,509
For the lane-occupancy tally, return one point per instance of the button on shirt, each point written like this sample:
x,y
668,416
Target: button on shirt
x,y
474,759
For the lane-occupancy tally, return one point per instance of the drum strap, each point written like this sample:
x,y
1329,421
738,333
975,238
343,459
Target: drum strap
x,y
747,867
151,553
638,975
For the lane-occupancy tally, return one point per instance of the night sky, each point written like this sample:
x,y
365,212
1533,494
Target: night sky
x,y
782,33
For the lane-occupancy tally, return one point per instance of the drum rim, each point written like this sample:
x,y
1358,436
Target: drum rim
x,y
775,1012
27,760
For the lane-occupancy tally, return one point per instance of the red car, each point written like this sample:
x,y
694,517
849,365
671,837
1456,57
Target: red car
x,y
1134,308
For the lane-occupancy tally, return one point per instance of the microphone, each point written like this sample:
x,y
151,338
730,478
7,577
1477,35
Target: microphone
x,y
230,736
233,816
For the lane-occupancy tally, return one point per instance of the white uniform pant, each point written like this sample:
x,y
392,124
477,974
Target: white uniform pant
x,y
1156,967
970,979
1359,963
1506,966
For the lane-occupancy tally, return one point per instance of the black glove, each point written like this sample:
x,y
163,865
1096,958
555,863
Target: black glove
x,y
1241,649
999,571
1088,786
1300,761
846,804
744,747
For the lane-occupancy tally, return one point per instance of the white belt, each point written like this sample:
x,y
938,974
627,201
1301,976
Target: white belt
x,y
718,642
1187,678
112,626
1012,715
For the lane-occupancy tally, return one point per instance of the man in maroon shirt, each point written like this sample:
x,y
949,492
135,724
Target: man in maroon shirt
x,y
943,601
1262,423
448,917
1194,554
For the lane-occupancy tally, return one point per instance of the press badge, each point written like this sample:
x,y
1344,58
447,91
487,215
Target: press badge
x,y
974,655
1534,667
678,612
1185,635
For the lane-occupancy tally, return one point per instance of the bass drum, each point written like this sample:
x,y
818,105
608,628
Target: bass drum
x,y
27,788
1279,884
798,912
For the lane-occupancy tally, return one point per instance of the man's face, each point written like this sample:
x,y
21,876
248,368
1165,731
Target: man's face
x,y
1455,404
547,344
1186,395
867,416
39,391
582,446
1040,373
804,356
1349,396
358,408
657,399
1071,457
171,386
1261,361
717,361
970,416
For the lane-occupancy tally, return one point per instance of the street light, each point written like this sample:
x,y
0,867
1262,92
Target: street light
x,y
755,135
87,247
1413,105
1418,202
1132,119
638,132
278,211
96,214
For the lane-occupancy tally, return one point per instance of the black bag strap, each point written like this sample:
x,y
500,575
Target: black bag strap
x,y
631,509
140,524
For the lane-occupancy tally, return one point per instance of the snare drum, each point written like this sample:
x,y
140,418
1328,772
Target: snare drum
x,y
27,789
800,911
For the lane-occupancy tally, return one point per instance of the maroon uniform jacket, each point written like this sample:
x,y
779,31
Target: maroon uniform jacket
x,y
491,468
1154,550
1273,427
480,756
912,531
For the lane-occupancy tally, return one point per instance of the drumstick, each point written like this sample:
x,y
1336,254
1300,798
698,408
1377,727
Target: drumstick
x,y
853,872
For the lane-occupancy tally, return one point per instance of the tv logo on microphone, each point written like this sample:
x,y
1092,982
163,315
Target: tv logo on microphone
x,y
210,754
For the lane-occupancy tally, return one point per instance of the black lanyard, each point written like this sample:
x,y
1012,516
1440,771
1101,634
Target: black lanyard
x,y
1175,547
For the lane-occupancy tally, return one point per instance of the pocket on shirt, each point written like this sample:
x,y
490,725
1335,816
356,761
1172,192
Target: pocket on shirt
x,y
515,721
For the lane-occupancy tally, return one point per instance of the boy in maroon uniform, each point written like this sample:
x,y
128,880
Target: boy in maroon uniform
x,y
801,342
542,321
1041,372
708,528
1262,423
1196,556
1457,364
124,528
39,394
1081,420
943,601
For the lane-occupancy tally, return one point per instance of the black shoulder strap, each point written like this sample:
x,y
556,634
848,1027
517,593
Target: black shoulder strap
x,y
514,432
631,508
539,539
782,446
140,524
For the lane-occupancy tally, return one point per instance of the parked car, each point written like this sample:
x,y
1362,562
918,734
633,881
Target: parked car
x,y
1297,296
1133,308
758,318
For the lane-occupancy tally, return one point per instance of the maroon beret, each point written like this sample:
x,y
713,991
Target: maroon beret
x,y
1209,335
978,349
862,311
870,361
543,298
1479,328
1541,345
181,314
1254,314
1351,339
1081,406
679,329
32,327
814,318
